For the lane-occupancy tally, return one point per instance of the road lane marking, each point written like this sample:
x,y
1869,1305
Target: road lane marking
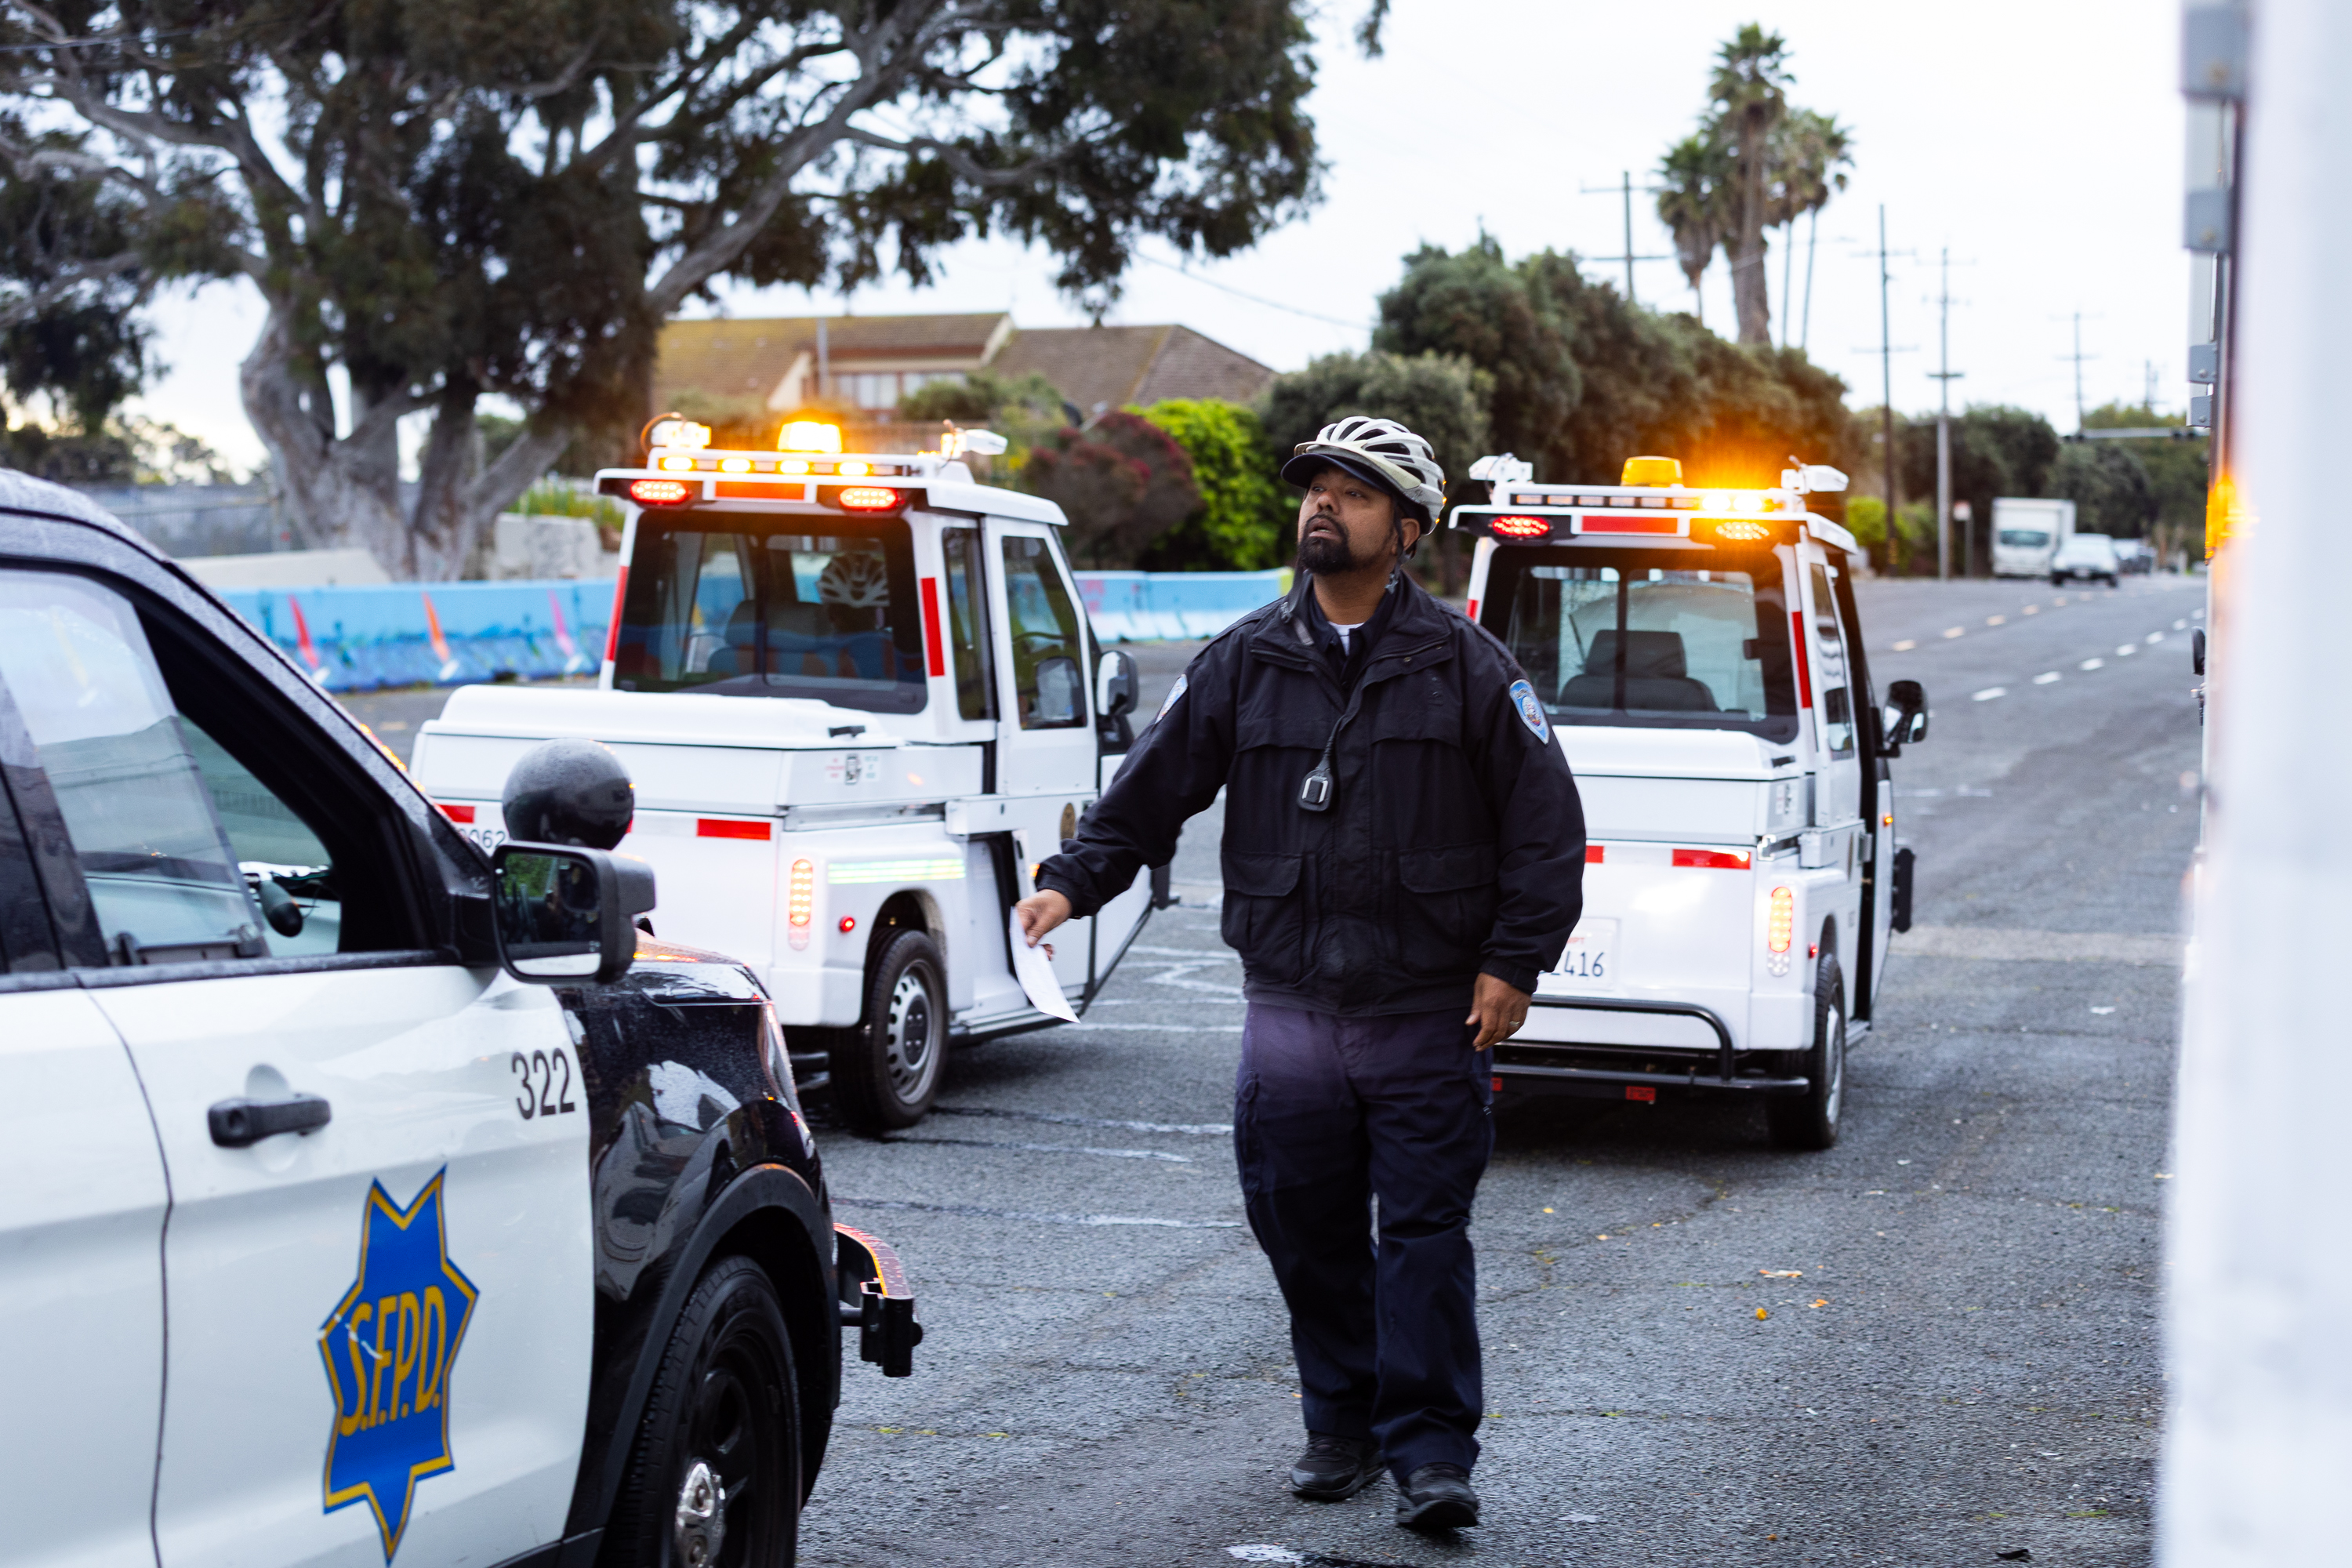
x,y
2153,638
1955,631
2046,678
977,1211
1048,1149
2093,664
2031,610
1190,1129
2011,946
2125,650
1989,693
1906,646
1996,620
2180,626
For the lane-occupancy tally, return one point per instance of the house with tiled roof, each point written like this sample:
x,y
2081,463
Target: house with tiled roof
x,y
871,361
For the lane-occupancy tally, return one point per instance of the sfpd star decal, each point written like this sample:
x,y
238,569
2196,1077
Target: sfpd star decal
x,y
388,1347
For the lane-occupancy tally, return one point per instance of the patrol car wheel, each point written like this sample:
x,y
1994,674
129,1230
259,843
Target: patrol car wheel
x,y
1812,1122
715,1481
885,1071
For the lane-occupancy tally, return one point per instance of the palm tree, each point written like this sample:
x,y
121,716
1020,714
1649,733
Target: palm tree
x,y
1693,178
1750,93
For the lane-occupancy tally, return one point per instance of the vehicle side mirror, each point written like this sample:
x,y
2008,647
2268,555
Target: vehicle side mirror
x,y
2196,650
1115,684
567,913
1906,713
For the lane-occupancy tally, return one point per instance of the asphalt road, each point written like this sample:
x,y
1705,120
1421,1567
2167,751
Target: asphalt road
x,y
1936,1343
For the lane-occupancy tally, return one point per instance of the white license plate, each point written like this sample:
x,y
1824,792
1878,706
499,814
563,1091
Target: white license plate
x,y
1591,959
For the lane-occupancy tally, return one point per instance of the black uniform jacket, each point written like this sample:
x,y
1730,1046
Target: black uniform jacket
x,y
1454,841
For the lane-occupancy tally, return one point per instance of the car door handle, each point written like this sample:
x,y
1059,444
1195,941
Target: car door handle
x,y
241,1123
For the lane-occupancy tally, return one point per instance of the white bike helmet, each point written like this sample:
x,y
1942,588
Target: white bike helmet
x,y
858,578
1378,451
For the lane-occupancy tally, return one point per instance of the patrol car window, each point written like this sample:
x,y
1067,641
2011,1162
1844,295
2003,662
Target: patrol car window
x,y
162,874
1828,652
1615,639
290,872
1047,656
765,613
975,669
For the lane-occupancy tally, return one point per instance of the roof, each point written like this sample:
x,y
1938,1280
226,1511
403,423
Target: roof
x,y
23,492
1097,367
729,357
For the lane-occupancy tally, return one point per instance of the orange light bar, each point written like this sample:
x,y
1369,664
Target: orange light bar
x,y
1739,531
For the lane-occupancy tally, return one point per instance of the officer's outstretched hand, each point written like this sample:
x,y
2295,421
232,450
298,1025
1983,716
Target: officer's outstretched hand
x,y
1041,913
1496,1007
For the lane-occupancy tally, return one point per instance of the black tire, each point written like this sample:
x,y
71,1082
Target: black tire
x,y
2057,580
1812,1122
721,1438
887,1071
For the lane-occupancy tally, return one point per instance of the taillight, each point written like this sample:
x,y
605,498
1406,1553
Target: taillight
x,y
1780,927
659,492
801,902
1521,526
867,498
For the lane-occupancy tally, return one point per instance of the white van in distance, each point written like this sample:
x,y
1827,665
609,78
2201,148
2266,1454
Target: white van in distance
x,y
859,699
2026,531
1700,654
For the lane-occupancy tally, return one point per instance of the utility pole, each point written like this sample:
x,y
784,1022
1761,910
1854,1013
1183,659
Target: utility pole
x,y
2078,356
1945,375
1813,233
1886,373
1625,188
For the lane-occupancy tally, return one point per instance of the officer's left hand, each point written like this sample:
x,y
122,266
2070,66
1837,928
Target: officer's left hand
x,y
1497,1008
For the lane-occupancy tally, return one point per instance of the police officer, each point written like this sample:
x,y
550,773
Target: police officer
x,y
1402,841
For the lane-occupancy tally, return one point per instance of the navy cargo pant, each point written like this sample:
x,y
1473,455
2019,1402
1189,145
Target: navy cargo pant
x,y
1330,1113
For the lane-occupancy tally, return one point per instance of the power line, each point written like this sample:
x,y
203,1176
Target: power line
x,y
1253,298
1624,187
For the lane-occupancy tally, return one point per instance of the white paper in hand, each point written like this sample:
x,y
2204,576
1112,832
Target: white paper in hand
x,y
1036,973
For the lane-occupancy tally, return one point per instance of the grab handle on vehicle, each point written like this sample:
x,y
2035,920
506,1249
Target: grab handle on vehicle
x,y
241,1123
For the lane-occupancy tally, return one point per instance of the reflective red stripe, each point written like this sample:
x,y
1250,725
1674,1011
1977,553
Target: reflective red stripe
x,y
613,632
1590,524
1804,664
1594,854
931,643
724,827
1472,611
1640,1091
1713,859
456,812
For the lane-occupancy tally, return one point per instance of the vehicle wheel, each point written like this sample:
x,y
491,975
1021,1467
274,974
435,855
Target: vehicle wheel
x,y
2056,581
715,1479
885,1071
1812,1123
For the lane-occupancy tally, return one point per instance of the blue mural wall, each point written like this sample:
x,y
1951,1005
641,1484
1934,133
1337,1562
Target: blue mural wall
x,y
449,634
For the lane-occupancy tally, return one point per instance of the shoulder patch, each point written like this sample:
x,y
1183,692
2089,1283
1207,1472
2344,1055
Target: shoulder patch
x,y
1531,713
1174,692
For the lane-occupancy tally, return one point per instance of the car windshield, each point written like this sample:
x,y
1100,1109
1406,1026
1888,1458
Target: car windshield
x,y
2025,538
767,613
1617,638
2087,547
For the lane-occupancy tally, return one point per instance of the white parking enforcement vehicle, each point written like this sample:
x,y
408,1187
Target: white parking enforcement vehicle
x,y
367,1201
860,700
1699,655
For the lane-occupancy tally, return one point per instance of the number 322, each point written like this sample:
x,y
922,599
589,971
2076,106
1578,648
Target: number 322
x,y
540,1096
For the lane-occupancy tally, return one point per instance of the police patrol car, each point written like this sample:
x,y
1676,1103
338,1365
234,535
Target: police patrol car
x,y
1698,653
367,1201
860,700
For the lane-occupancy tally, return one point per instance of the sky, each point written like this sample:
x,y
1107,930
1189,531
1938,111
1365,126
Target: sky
x,y
2040,144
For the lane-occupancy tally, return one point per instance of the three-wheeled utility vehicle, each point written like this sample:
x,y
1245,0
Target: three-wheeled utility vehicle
x,y
859,698
1699,653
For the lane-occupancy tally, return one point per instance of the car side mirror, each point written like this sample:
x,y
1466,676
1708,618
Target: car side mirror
x,y
567,913
1115,684
2196,650
1906,713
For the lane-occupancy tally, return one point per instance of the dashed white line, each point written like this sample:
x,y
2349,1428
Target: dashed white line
x,y
2180,626
2125,650
2154,637
2093,664
1955,631
1906,646
2046,678
1996,620
1989,693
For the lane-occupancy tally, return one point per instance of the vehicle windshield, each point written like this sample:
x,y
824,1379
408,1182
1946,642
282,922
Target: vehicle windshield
x,y
2087,547
1645,637
2025,538
766,612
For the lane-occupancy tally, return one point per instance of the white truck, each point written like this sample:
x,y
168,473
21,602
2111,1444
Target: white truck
x,y
859,699
1700,654
2026,534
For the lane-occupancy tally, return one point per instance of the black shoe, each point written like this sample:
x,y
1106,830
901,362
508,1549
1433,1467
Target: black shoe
x,y
1334,1468
1437,1497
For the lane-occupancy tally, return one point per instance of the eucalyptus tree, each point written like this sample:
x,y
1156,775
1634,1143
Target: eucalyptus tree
x,y
441,201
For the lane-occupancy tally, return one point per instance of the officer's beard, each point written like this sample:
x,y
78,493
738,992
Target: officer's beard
x,y
1326,554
